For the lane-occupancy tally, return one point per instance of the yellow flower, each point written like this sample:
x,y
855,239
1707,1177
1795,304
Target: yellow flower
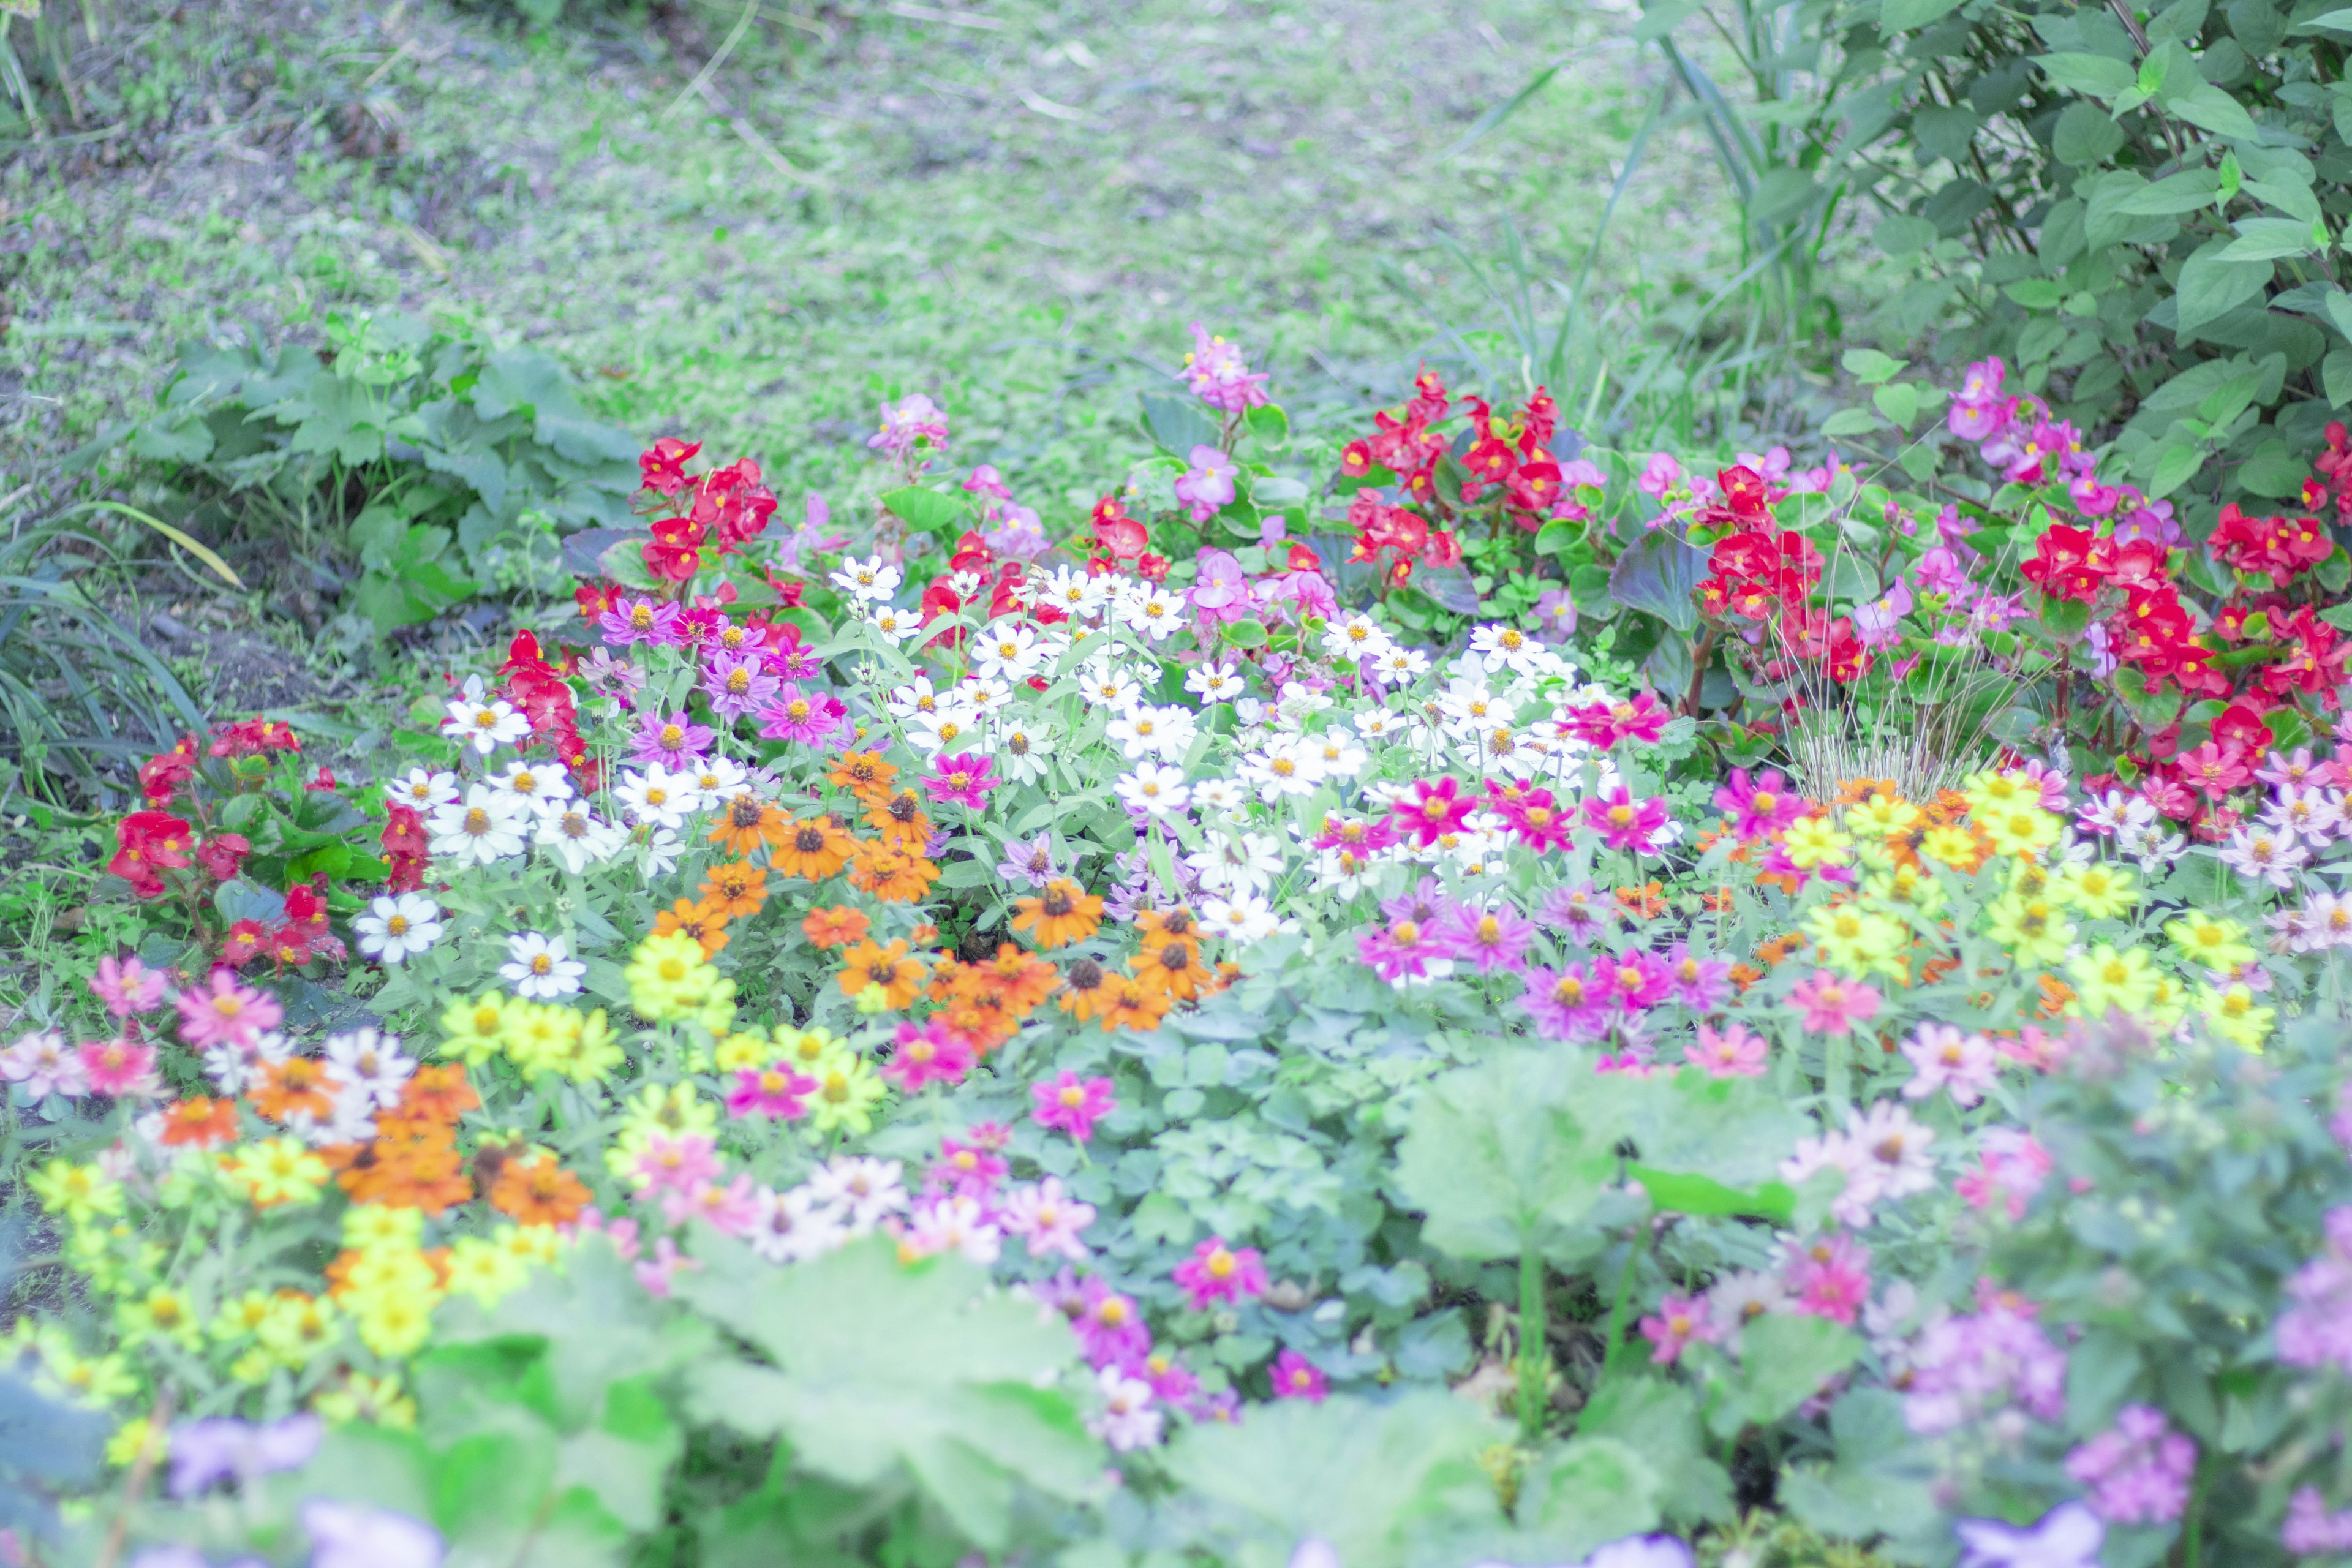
x,y
1854,939
123,1448
1882,817
538,1035
2021,829
280,1171
529,1243
1909,885
300,1327
2234,1015
163,1313
676,1111
476,1029
252,1367
95,1380
2105,978
745,1052
484,1270
591,1053
2168,1005
669,979
78,1193
2103,892
366,1398
1815,841
393,1326
371,1228
804,1048
2033,930
1953,846
243,1317
1992,791
389,1273
2211,942
848,1090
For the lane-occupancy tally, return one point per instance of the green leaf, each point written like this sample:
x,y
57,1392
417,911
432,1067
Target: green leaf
x,y
1269,425
2268,238
883,1371
1503,1159
1902,15
2192,190
2327,22
2211,285
1784,1360
1899,403
1177,422
2085,137
2335,377
1556,535
2094,75
928,512
1680,1191
1363,1476
1658,575
1659,1420
1870,367
1850,422
1878,1484
1582,1495
2209,108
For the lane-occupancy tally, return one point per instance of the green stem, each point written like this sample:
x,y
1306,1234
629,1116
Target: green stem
x,y
1534,1364
1616,1338
2192,1527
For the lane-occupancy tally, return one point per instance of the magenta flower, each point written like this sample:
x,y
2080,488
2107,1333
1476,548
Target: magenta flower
x,y
1219,376
1295,1378
1435,811
641,620
1046,1216
127,987
733,1209
1699,983
737,683
657,1273
1761,807
1679,1321
1584,913
910,422
1605,723
1564,1003
926,1056
671,739
1207,487
118,1066
1216,1272
1109,1326
1402,952
1830,1278
1633,980
1627,824
1659,475
1734,1053
1832,1004
677,1162
1221,589
965,779
968,1169
808,717
777,1093
223,1012
1487,939
1072,1105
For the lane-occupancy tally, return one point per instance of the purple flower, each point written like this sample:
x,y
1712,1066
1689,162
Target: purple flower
x,y
1555,615
2140,518
1221,589
2317,1329
2069,1536
1966,1369
1940,573
1487,939
986,481
1584,913
1402,952
2310,1531
1019,536
1565,1004
204,1453
2138,1470
645,621
347,1535
1426,904
1698,984
808,717
1207,487
1219,376
617,678
1031,862
670,740
1878,623
737,683
965,779
908,423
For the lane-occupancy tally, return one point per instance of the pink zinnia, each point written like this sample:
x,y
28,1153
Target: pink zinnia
x,y
670,740
969,1170
1698,984
1046,1217
1605,723
1832,1004
1734,1053
1110,1326
1831,1278
2213,770
1402,952
117,1066
1295,1378
223,1012
1759,807
656,1273
1216,1272
736,683
641,620
1633,980
1435,811
733,1209
926,1056
1679,1321
810,718
965,779
1566,1003
1073,1105
677,1162
2009,1170
127,987
1487,939
1626,824
776,1093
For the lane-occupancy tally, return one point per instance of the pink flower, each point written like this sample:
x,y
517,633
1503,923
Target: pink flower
x,y
1221,589
669,739
2010,1166
807,717
1487,939
1830,1278
1207,487
127,987
1680,1320
926,1056
1627,824
224,1012
676,1162
119,1067
969,1170
1110,1326
1048,1219
2215,770
1219,376
912,421
1734,1053
965,779
1633,980
775,1093
1698,984
1216,1272
1403,951
1072,1105
1567,1004
1295,1378
1962,1065
1604,724
1832,1004
733,1208
635,620
1435,811
1658,476
1761,807
656,1273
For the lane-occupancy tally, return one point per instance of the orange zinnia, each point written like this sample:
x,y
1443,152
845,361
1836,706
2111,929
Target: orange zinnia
x,y
815,849
1022,979
747,823
1173,969
705,922
539,1192
900,821
1063,914
438,1093
900,978
1086,990
864,775
1133,1005
733,889
836,927
295,1084
200,1120
1159,927
893,876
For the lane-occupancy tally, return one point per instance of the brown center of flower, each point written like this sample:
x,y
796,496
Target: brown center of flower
x,y
809,840
1086,974
1057,903
904,807
743,811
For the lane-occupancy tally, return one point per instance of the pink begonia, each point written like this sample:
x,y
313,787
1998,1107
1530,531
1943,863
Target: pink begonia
x,y
1216,1272
1207,487
1221,589
1733,1053
1219,376
910,421
1072,1105
226,1012
127,987
986,481
1679,1321
1658,476
1295,1378
1832,1004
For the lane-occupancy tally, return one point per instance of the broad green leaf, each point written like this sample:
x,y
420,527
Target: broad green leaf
x,y
2209,108
1899,403
1784,1360
1177,422
2267,238
1850,422
2187,192
2094,75
1902,15
928,510
1580,1496
1735,1131
2325,22
1869,366
1658,575
1878,1484
2085,137
2211,285
1659,1420
2335,377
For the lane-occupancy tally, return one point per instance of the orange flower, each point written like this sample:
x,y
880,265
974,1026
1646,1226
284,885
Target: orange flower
x,y
1745,974
1171,969
1159,927
1719,901
747,823
200,1120
295,1084
1647,901
900,821
864,775
900,978
1022,979
733,888
438,1093
1085,990
705,922
1063,914
893,876
1134,1005
537,1191
815,850
980,1022
2055,995
836,927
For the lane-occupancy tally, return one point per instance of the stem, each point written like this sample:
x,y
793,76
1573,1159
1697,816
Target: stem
x,y
1617,1311
1534,1364
2192,1529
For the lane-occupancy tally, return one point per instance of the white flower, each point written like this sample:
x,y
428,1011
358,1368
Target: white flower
x,y
485,725
913,700
487,827
1154,612
1378,723
950,731
954,1225
1217,682
540,968
1238,862
2115,812
227,1066
983,696
1963,1065
715,779
657,797
1008,650
1338,755
397,929
869,580
1220,797
894,624
574,836
2265,854
1105,685
1021,751
1289,765
2327,921
1509,647
370,1063
420,790
1344,871
793,1226
658,855
1399,666
1165,733
1074,593
538,785
1128,1422
2307,812
1248,918
861,1190
1358,636
1155,789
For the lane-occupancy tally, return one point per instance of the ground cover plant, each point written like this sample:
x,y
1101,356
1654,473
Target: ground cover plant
x,y
1289,1023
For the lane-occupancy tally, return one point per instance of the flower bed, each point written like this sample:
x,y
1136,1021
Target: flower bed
x,y
1591,1000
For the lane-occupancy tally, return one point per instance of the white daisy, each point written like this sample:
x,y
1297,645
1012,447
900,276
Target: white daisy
x,y
421,790
487,825
1218,682
398,928
371,1064
1246,918
1007,651
540,968
574,836
870,581
793,1227
484,725
1155,789
538,785
658,797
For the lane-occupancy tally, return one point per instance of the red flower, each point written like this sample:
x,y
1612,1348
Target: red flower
x,y
306,907
160,776
1490,461
1120,536
594,602
734,501
675,554
663,468
157,838
245,941
1355,459
2058,568
251,737
2241,728
1151,568
223,853
290,946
